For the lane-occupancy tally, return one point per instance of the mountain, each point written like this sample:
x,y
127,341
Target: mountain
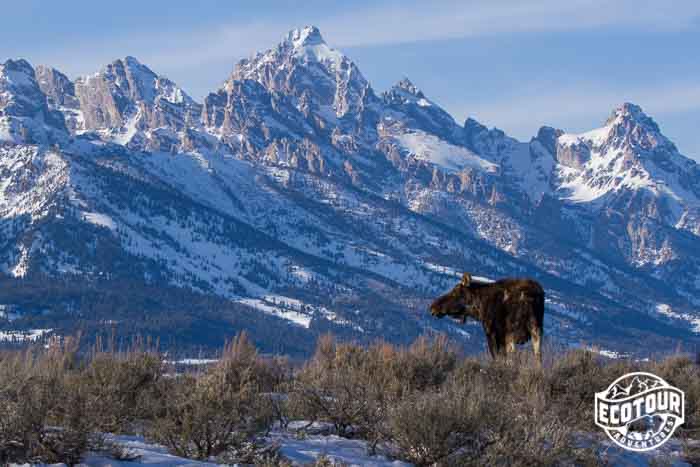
x,y
296,200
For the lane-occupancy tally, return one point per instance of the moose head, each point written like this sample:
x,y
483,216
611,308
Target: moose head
x,y
460,302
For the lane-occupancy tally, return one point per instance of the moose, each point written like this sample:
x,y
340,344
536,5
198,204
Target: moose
x,y
511,311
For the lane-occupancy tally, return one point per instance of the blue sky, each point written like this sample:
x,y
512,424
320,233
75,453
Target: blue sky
x,y
513,64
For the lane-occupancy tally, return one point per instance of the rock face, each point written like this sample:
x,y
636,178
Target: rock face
x,y
21,96
59,90
304,67
128,96
24,112
60,94
298,191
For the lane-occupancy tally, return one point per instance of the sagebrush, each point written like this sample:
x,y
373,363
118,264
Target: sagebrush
x,y
424,403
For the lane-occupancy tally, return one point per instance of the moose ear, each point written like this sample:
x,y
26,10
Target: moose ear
x,y
466,279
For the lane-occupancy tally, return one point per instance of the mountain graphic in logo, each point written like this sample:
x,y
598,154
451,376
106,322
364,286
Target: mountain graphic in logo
x,y
640,411
637,385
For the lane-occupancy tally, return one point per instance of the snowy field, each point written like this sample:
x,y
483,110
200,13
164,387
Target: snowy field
x,y
298,451
307,449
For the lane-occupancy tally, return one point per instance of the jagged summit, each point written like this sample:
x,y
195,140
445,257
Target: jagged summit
x,y
24,112
407,85
630,112
127,95
132,61
310,72
308,44
306,36
405,92
626,125
17,66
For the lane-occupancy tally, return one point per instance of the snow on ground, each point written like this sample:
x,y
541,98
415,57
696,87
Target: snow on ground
x,y
293,316
426,147
8,312
610,175
348,451
533,165
611,354
149,454
305,450
666,310
670,452
102,220
298,451
594,137
193,361
31,335
308,44
129,131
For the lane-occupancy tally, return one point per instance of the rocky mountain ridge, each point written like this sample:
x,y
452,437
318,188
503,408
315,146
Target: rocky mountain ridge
x,y
300,193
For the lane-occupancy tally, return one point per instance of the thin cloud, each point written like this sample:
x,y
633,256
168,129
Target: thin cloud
x,y
585,101
385,24
458,19
574,107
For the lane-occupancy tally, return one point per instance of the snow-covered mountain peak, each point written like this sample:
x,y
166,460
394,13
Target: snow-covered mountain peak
x,y
628,127
307,44
629,162
631,113
306,36
632,130
317,78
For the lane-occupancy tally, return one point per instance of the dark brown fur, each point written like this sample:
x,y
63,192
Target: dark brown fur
x,y
510,310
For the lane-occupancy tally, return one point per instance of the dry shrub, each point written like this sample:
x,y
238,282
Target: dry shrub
x,y
354,387
573,381
342,384
421,404
43,408
684,373
427,363
486,414
434,426
120,388
217,412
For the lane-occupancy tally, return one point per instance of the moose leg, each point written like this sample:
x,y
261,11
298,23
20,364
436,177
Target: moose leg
x,y
497,345
492,344
510,349
537,345
501,348
510,346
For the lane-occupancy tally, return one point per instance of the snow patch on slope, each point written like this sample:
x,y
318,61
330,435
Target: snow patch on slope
x,y
595,137
102,220
277,310
666,310
309,45
31,335
430,148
